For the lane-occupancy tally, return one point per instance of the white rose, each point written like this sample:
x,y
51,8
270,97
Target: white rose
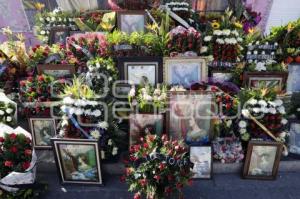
x,y
9,111
284,121
109,142
68,100
262,103
42,32
48,19
252,101
103,125
53,18
281,110
256,110
9,119
278,102
245,113
226,32
229,123
78,111
242,124
207,38
97,113
255,52
242,131
220,41
42,19
272,110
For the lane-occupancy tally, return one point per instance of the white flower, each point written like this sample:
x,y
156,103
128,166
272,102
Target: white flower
x,y
236,33
220,41
282,134
9,119
217,32
242,124
210,58
115,151
276,44
143,90
132,92
262,103
226,32
96,113
53,18
42,32
48,19
72,111
95,134
284,121
88,112
59,19
260,66
228,123
252,101
78,111
9,110
147,97
263,52
103,125
242,131
257,43
264,109
272,110
245,113
68,100
239,39
203,49
281,110
255,52
256,110
207,38
250,60
278,102
109,142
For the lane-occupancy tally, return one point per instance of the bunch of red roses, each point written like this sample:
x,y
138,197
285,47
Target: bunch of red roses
x,y
157,167
15,153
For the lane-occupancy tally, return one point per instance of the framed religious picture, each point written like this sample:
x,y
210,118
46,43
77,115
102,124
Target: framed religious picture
x,y
201,157
142,124
276,80
184,70
137,70
294,138
189,116
262,160
42,130
221,76
78,161
56,70
131,21
59,35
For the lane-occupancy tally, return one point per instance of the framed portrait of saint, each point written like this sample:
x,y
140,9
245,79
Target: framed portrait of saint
x,y
140,70
42,130
262,160
78,161
189,116
131,21
184,71
201,157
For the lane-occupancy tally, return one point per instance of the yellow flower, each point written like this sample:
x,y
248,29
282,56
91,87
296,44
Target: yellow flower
x,y
39,6
20,37
7,31
251,30
238,25
215,24
152,27
290,27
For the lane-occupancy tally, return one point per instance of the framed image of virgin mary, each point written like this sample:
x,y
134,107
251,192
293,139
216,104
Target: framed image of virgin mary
x,y
189,116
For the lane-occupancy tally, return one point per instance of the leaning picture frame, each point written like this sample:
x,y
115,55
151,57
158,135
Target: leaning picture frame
x,y
42,130
184,70
56,70
78,161
59,35
136,70
189,116
202,159
262,160
131,21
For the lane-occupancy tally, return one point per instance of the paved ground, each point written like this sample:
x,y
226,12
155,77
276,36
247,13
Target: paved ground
x,y
222,186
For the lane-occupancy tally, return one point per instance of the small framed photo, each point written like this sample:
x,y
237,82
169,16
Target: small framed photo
x,y
294,139
59,35
184,70
201,157
78,161
42,130
262,160
57,70
131,21
142,124
276,80
139,70
221,76
121,90
189,116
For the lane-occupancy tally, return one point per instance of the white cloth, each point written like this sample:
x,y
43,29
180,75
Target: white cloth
x,y
77,5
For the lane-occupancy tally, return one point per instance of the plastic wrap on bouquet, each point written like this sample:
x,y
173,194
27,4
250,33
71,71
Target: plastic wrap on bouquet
x,y
13,179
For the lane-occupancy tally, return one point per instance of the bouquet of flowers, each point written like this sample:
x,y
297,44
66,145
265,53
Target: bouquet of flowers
x,y
148,99
17,159
157,167
183,40
7,111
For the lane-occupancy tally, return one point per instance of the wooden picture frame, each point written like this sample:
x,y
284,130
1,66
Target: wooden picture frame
x,y
47,126
221,76
294,138
132,69
57,70
63,38
172,76
201,157
140,123
258,154
70,154
186,122
281,77
131,16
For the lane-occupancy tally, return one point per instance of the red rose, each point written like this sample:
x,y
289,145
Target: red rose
x,y
157,177
161,166
228,106
146,145
34,49
30,79
132,149
214,89
28,152
2,139
8,163
37,46
143,182
41,78
22,83
14,149
132,158
13,136
26,165
137,196
45,54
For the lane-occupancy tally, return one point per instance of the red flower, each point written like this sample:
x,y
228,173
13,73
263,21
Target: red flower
x,y
214,89
137,195
151,138
168,189
27,152
146,145
26,165
161,166
122,178
13,136
41,78
22,83
34,49
132,158
164,137
179,186
14,149
8,163
45,54
228,106
143,182
2,139
30,79
157,177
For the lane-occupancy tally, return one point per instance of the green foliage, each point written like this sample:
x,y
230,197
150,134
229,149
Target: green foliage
x,y
267,94
78,90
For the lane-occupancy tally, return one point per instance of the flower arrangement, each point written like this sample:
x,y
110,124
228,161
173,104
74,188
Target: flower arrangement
x,y
157,167
7,113
183,40
148,99
181,8
267,109
101,74
44,21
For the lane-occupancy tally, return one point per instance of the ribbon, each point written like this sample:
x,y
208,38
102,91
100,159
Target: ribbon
x,y
175,16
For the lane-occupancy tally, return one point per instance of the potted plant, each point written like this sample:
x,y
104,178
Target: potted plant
x,y
157,168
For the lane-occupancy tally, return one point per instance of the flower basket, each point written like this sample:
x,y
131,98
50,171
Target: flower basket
x,y
11,181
